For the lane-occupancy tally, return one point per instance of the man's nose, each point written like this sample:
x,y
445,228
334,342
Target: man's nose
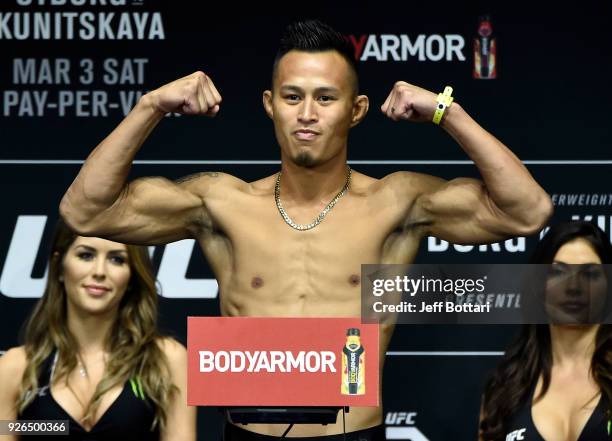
x,y
308,111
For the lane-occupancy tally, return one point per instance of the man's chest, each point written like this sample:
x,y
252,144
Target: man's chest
x,y
357,230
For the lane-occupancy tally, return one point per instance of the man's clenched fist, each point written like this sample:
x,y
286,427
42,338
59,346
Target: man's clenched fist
x,y
194,94
409,102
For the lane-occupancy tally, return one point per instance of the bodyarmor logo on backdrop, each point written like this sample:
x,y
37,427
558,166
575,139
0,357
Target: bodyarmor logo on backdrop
x,y
390,47
16,279
401,425
55,24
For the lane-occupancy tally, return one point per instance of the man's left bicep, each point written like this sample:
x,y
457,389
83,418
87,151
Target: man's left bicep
x,y
461,211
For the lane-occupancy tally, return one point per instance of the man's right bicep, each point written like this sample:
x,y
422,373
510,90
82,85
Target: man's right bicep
x,y
151,211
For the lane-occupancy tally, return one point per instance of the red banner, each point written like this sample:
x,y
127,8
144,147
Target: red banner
x,y
253,361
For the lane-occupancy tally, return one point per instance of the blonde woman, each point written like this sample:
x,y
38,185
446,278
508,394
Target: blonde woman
x,y
92,352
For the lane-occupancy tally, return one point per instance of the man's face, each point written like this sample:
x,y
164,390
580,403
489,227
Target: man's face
x,y
313,106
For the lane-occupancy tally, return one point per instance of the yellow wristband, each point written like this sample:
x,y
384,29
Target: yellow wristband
x,y
444,100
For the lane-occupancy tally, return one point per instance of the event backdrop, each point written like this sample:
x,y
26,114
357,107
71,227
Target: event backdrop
x,y
71,69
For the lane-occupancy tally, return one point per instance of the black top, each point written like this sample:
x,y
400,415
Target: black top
x,y
521,426
129,417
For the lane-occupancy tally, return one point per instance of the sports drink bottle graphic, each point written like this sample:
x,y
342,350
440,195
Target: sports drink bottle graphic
x,y
485,51
353,364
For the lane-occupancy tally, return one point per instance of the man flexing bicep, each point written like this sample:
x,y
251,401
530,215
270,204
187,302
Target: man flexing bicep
x,y
150,210
507,202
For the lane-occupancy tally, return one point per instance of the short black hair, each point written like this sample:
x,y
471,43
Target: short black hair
x,y
315,36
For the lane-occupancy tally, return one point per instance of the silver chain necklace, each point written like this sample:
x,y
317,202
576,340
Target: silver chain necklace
x,y
321,216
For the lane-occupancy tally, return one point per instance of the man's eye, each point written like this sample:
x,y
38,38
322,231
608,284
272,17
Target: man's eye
x,y
326,98
292,97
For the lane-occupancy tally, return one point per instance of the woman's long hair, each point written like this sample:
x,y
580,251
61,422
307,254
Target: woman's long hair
x,y
530,354
133,343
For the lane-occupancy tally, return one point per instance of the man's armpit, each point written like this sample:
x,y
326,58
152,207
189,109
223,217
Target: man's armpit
x,y
416,217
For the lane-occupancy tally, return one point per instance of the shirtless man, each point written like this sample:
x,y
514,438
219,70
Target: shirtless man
x,y
270,265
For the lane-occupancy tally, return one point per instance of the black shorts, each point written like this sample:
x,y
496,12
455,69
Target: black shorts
x,y
234,433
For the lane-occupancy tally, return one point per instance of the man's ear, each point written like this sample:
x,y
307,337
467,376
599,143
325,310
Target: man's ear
x,y
360,109
267,102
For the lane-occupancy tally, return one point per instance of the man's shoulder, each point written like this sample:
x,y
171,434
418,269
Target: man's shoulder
x,y
263,186
205,181
404,182
362,183
411,177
